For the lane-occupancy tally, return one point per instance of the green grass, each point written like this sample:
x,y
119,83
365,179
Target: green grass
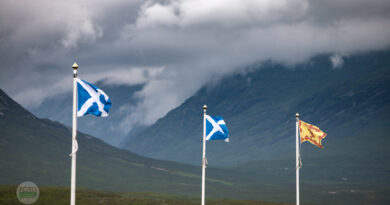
x,y
60,196
207,179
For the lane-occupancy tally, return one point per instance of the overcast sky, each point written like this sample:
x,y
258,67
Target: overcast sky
x,y
173,46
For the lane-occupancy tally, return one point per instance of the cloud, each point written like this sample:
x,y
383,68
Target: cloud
x,y
337,61
44,23
210,38
228,13
125,76
173,46
33,96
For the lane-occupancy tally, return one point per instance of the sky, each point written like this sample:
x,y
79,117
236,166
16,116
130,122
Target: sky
x,y
173,47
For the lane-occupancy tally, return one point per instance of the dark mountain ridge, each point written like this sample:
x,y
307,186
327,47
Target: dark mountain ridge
x,y
351,104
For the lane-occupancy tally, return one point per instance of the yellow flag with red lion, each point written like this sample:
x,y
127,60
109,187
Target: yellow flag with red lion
x,y
311,133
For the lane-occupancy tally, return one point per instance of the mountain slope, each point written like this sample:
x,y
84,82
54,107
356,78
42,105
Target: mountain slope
x,y
351,104
38,150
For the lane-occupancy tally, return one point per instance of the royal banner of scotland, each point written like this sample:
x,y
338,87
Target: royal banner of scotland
x,y
216,128
311,133
91,100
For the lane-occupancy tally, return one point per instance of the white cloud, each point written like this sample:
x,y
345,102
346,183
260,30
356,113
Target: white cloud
x,y
125,76
45,23
216,13
87,33
33,96
202,39
337,61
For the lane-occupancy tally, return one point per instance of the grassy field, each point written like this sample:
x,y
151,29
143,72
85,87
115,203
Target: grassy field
x,y
60,196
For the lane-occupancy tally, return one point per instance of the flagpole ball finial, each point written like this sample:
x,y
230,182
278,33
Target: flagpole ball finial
x,y
204,107
297,115
75,66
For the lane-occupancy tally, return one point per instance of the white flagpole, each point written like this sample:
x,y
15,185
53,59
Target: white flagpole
x,y
204,155
74,134
297,155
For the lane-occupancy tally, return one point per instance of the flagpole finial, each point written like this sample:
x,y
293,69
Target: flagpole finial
x,y
204,107
75,66
297,115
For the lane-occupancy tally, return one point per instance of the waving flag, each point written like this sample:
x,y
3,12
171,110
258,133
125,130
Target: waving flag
x,y
311,133
91,100
216,128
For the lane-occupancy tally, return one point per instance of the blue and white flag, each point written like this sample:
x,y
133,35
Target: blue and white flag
x,y
216,128
91,100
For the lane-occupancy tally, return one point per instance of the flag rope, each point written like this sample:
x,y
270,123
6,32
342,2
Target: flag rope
x,y
300,154
76,147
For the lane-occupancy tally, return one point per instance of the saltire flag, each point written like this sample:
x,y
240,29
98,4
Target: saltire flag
x,y
91,100
311,133
216,128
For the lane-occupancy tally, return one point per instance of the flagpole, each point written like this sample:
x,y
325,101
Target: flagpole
x,y
297,155
204,155
74,134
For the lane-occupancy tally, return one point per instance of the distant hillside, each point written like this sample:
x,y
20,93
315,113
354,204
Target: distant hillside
x,y
351,104
37,150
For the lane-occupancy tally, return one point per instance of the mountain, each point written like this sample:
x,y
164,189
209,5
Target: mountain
x,y
37,150
112,130
33,149
351,104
